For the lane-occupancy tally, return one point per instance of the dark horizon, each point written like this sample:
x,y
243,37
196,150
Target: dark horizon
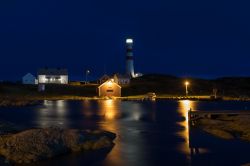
x,y
207,39
98,76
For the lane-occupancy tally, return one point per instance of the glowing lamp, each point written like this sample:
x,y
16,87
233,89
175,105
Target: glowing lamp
x,y
110,83
129,41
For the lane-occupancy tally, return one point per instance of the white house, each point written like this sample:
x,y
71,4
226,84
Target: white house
x,y
29,79
53,76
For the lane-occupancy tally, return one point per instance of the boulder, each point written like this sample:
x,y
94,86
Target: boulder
x,y
17,103
39,144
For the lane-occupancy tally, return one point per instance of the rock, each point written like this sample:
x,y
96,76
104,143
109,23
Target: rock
x,y
227,127
219,133
247,164
39,144
17,102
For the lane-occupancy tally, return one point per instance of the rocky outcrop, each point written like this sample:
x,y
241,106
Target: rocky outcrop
x,y
39,144
227,127
17,103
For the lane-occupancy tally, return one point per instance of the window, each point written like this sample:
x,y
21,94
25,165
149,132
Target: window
x,y
110,91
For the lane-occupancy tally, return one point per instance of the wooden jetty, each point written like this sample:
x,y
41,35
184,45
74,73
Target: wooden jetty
x,y
193,116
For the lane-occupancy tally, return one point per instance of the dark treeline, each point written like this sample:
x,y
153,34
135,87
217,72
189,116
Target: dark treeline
x,y
166,84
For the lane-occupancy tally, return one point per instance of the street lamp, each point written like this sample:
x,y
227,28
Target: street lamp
x,y
86,76
186,85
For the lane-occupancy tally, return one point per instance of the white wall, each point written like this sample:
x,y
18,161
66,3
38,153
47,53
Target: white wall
x,y
43,79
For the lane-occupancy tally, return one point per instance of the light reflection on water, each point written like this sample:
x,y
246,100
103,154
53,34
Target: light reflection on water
x,y
186,147
147,132
53,113
122,152
183,107
109,111
109,108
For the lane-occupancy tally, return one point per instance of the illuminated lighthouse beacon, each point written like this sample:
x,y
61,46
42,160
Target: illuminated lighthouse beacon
x,y
129,58
121,79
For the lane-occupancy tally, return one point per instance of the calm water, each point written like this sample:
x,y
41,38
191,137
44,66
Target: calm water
x,y
148,133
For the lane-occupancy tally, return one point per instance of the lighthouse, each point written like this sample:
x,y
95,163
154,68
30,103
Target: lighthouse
x,y
129,58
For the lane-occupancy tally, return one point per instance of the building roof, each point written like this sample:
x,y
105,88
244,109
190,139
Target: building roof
x,y
28,75
52,71
120,76
110,80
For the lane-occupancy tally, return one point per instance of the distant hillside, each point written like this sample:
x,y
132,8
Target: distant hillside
x,y
167,84
233,86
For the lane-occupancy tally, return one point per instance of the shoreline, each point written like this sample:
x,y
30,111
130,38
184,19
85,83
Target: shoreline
x,y
135,97
33,100
51,142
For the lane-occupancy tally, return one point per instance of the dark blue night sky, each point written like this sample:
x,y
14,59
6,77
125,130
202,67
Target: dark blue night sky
x,y
202,38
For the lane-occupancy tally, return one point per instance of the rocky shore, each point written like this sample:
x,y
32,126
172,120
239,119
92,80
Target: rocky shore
x,y
39,144
227,127
17,102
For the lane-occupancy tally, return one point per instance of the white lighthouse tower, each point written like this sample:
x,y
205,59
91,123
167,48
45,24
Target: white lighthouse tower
x,y
129,58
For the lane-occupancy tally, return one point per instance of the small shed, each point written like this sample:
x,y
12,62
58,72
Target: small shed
x,y
29,79
109,89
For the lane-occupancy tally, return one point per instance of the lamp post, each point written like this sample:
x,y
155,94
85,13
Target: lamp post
x,y
86,76
186,85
